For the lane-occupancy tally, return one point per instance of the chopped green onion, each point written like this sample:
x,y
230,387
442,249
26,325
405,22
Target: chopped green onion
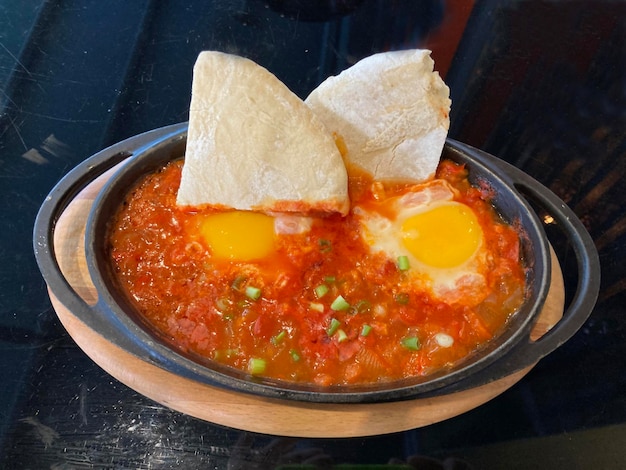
x,y
278,338
402,298
366,330
329,279
321,291
325,245
340,304
318,307
361,306
341,336
256,366
294,355
412,343
237,282
403,263
223,304
225,353
333,327
253,292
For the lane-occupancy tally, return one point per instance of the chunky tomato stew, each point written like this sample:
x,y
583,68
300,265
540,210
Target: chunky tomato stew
x,y
324,300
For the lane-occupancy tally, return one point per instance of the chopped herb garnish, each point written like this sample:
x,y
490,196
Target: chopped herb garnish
x,y
223,305
256,366
333,327
224,353
330,279
237,282
341,336
361,306
412,343
325,245
403,263
276,340
321,291
253,293
340,304
294,355
402,298
365,330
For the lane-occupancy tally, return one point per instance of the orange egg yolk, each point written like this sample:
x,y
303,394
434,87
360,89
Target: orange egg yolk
x,y
239,235
443,237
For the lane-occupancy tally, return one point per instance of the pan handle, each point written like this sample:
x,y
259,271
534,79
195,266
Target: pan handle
x,y
53,207
528,352
587,262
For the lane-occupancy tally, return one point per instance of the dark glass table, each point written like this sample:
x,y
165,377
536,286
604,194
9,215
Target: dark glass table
x,y
541,85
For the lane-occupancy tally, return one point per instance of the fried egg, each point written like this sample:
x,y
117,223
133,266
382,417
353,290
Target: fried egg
x,y
441,239
247,236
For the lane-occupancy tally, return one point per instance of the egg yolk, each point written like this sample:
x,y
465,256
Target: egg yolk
x,y
239,235
442,237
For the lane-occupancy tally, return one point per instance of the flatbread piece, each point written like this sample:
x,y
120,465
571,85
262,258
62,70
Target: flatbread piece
x,y
392,112
252,144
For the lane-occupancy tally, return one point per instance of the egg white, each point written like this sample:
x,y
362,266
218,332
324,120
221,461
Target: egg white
x,y
462,284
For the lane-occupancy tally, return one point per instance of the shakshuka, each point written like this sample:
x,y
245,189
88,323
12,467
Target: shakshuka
x,y
415,278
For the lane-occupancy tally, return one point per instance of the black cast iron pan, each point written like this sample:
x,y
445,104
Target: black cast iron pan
x,y
115,318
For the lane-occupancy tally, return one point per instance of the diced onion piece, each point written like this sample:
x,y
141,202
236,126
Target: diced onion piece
x,y
379,310
317,306
444,340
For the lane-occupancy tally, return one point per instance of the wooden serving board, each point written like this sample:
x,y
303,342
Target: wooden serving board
x,y
246,411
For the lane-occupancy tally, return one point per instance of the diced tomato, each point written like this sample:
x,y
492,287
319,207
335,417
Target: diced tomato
x,y
165,266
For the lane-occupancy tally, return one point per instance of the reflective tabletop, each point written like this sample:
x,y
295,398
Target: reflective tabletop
x,y
539,84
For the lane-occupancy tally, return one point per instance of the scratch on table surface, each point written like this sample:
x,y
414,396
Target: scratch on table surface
x,y
17,131
61,119
46,434
17,61
83,402
8,98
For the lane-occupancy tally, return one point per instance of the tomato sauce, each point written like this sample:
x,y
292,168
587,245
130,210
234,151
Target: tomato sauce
x,y
324,310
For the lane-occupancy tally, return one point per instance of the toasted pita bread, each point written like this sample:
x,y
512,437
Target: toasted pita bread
x,y
252,144
392,112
